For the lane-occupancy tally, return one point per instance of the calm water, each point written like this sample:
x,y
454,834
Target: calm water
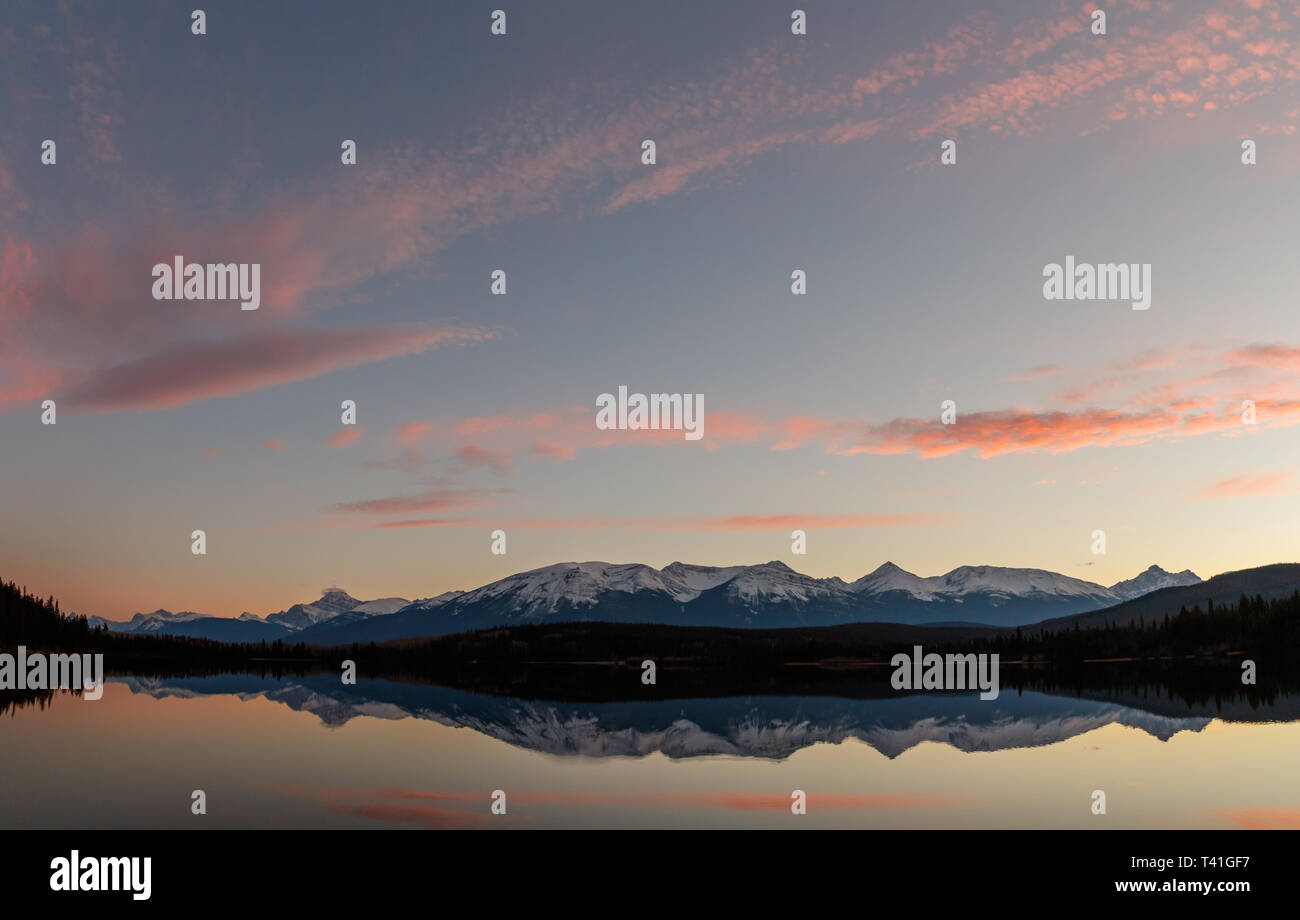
x,y
308,752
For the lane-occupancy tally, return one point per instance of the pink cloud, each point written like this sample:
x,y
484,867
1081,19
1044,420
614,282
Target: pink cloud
x,y
194,372
471,457
425,816
412,432
553,451
499,442
800,429
1250,485
1268,357
1157,394
737,523
427,522
751,522
436,500
549,156
1034,373
674,175
275,447
731,428
989,434
345,436
411,460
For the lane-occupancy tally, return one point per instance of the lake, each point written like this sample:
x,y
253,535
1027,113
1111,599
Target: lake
x,y
308,752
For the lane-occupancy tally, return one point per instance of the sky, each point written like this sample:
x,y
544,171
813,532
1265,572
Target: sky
x,y
522,152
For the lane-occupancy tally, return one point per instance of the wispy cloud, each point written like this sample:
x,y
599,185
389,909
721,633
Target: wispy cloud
x,y
345,436
320,239
1251,485
1034,373
435,500
744,522
1155,395
198,371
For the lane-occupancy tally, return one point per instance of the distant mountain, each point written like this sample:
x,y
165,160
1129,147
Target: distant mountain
x,y
757,596
222,629
1269,581
1153,579
986,594
153,622
357,626
333,604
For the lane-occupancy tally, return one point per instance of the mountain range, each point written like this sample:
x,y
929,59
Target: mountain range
x,y
751,596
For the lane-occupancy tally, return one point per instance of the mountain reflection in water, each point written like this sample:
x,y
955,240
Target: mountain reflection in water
x,y
756,726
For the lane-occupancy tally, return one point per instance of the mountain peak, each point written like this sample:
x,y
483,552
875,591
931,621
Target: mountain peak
x,y
892,578
1153,579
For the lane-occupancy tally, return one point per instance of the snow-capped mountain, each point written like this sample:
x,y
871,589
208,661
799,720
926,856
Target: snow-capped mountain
x,y
1153,579
571,585
247,627
996,582
687,582
429,603
993,582
758,587
146,622
770,595
889,579
986,594
332,603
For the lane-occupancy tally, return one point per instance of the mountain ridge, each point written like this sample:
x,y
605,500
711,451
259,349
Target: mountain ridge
x,y
770,594
1268,581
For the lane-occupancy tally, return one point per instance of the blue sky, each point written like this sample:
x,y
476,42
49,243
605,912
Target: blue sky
x,y
521,152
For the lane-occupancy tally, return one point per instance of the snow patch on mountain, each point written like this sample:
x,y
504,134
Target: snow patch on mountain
x,y
776,582
382,606
687,582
